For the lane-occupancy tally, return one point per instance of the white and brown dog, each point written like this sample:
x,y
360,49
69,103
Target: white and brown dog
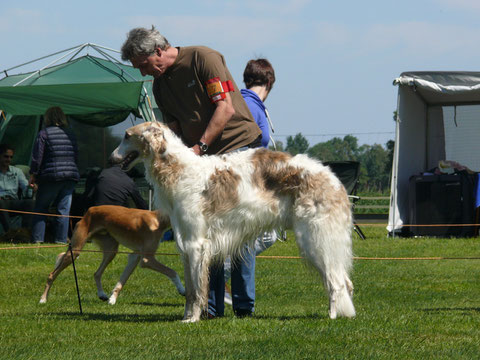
x,y
218,203
108,226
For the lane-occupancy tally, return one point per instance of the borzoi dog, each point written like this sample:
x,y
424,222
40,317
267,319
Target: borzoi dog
x,y
218,203
108,226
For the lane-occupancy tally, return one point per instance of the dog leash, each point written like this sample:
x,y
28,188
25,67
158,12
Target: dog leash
x,y
75,275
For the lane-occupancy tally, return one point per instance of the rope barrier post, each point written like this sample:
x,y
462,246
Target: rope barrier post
x,y
76,280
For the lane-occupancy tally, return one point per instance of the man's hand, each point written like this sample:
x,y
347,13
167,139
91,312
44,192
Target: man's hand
x,y
196,150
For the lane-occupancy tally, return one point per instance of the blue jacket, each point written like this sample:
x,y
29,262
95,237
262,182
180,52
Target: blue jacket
x,y
257,108
55,155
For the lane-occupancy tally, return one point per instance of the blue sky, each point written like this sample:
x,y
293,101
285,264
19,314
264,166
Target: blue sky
x,y
334,61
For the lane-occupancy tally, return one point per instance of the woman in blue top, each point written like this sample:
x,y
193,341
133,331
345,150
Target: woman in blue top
x,y
259,78
54,170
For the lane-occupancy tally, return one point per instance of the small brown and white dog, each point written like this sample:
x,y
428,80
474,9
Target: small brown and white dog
x,y
108,226
217,204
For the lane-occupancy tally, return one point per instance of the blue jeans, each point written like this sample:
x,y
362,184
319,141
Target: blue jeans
x,y
243,285
59,194
262,243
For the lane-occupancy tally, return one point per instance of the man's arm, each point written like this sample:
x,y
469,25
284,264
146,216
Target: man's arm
x,y
223,112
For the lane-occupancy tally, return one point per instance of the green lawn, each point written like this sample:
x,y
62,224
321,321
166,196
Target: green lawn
x,y
428,309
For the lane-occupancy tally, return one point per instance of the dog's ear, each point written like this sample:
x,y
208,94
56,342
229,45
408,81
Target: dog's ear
x,y
154,137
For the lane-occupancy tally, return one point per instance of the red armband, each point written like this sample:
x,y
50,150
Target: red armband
x,y
217,89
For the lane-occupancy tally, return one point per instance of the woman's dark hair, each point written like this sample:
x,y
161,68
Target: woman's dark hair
x,y
259,72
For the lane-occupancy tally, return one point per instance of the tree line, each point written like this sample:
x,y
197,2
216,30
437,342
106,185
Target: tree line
x,y
375,160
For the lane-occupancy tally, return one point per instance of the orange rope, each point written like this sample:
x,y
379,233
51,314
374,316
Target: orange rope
x,y
258,257
34,213
366,224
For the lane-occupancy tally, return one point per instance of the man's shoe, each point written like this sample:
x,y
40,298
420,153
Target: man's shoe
x,y
241,313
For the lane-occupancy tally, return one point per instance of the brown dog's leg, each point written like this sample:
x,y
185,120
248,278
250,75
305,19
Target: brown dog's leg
x,y
64,259
150,262
109,247
133,260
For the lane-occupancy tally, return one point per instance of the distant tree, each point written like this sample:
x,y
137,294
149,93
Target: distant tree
x,y
374,159
297,144
279,145
390,149
336,149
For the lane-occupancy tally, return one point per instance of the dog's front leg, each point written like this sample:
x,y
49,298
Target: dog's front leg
x,y
109,247
189,293
196,279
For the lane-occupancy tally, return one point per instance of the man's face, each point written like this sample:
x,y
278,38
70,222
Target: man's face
x,y
6,158
154,65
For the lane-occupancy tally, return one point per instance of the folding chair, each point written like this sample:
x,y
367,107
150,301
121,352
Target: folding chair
x,y
348,173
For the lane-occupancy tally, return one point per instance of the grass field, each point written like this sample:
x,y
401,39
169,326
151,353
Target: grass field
x,y
406,309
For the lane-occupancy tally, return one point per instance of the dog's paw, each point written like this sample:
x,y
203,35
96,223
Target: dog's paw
x,y
42,300
178,284
190,320
112,300
103,296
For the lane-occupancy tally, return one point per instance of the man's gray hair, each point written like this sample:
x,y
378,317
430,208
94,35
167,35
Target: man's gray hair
x,y
141,41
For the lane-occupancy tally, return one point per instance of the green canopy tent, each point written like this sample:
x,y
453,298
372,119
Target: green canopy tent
x,y
99,91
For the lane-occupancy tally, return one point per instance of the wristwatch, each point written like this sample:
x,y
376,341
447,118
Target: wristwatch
x,y
203,146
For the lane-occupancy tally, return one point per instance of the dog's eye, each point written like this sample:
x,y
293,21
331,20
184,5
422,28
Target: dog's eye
x,y
126,136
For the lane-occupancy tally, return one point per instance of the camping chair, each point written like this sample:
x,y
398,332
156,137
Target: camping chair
x,y
348,173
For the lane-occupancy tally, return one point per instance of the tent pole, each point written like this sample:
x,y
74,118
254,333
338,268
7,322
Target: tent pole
x,y
38,71
43,57
109,57
103,47
394,167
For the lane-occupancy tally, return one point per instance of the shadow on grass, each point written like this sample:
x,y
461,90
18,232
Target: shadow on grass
x,y
150,318
291,317
128,318
464,309
145,303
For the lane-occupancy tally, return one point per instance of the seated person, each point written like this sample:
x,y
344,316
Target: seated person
x,y
12,180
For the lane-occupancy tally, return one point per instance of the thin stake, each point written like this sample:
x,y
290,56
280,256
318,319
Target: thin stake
x,y
76,281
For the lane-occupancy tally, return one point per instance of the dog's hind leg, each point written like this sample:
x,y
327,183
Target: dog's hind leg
x,y
133,260
189,293
109,247
150,262
328,249
64,259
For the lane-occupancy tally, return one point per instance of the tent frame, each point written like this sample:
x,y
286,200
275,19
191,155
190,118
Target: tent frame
x,y
76,50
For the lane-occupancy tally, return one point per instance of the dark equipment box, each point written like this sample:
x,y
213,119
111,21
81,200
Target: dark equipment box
x,y
442,200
